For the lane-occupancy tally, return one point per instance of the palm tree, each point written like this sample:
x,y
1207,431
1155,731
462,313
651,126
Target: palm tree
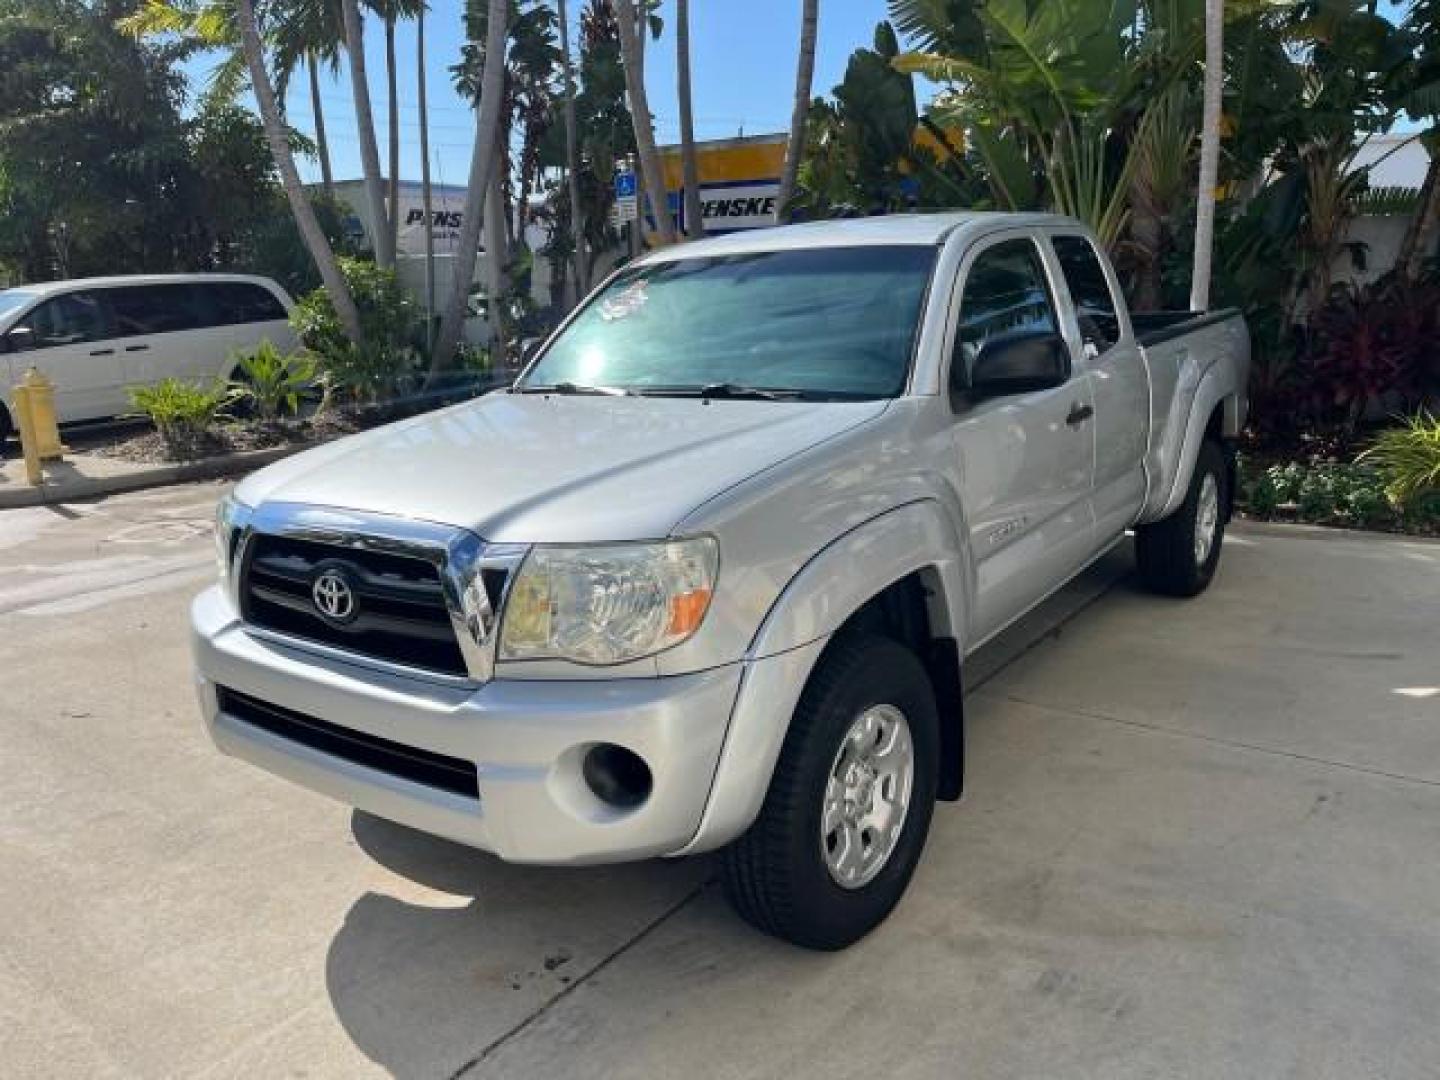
x,y
383,235
694,214
276,135
572,161
1209,154
425,198
482,166
391,12
309,32
800,109
651,172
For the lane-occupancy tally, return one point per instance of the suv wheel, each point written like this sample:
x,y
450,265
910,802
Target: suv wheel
x,y
1178,556
849,806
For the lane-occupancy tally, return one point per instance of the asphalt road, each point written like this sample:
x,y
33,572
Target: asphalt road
x,y
1199,840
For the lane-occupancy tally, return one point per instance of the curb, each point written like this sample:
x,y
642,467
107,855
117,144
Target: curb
x,y
155,476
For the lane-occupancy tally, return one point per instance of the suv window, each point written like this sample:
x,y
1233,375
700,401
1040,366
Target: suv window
x,y
71,319
1005,293
234,302
153,309
1094,304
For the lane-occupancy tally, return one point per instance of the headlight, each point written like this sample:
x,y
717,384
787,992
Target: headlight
x,y
607,604
230,514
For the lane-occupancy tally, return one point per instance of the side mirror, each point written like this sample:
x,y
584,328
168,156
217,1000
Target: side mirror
x,y
1019,363
20,339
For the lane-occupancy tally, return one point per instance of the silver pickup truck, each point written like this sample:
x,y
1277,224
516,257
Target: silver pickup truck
x,y
705,577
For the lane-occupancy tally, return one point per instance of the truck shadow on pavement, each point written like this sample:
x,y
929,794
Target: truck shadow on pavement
x,y
466,948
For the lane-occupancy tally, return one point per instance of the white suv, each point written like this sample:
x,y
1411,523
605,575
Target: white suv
x,y
97,337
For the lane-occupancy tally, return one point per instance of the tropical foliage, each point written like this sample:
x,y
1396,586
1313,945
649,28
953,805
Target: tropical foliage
x,y
184,413
389,360
1408,458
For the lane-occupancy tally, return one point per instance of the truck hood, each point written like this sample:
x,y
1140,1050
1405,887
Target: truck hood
x,y
525,468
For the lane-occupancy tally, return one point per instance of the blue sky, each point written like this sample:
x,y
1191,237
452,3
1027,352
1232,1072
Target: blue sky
x,y
742,69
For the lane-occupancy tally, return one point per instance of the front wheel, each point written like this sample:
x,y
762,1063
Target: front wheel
x,y
849,806
1178,556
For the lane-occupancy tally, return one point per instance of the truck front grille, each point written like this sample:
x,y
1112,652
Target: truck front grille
x,y
455,775
399,613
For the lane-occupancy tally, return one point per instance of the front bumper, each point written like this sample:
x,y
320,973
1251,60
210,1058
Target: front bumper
x,y
527,740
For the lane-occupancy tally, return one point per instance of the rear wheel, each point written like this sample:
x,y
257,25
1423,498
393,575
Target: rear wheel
x,y
849,806
1178,556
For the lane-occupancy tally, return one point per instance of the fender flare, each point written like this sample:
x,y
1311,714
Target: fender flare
x,y
1216,388
827,590
815,603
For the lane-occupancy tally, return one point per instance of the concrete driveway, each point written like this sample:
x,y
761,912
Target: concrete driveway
x,y
1200,839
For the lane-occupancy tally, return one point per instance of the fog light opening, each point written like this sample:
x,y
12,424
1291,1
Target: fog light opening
x,y
618,777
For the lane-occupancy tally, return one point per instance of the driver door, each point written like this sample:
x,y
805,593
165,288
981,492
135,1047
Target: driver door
x,y
1026,460
66,339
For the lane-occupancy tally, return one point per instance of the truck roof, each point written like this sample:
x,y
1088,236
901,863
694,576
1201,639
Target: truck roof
x,y
891,229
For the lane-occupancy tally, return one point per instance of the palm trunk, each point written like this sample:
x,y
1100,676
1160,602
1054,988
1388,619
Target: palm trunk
x,y
482,166
425,196
800,108
305,219
694,214
365,125
322,143
651,172
497,259
1147,232
393,90
1209,155
572,162
1420,235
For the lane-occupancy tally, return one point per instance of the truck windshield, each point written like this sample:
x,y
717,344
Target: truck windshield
x,y
822,323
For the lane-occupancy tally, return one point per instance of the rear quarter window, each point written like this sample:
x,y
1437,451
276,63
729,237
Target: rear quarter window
x,y
235,302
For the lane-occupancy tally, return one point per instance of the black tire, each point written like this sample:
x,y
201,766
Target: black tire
x,y
775,874
1166,551
6,427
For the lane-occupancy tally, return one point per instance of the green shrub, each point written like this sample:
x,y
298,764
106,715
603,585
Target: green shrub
x,y
1323,492
391,360
271,382
185,414
1408,457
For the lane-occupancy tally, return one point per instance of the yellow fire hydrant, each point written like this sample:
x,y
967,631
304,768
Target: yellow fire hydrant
x,y
39,430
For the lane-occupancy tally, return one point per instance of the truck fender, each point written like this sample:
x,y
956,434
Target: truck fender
x,y
1216,387
821,596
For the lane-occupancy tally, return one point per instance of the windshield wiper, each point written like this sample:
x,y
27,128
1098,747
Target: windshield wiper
x,y
737,390
716,390
574,388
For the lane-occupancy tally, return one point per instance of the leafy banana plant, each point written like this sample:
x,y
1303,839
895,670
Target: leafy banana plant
x,y
1037,79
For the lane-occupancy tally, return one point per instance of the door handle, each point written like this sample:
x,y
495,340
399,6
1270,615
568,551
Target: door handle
x,y
102,352
1079,414
136,348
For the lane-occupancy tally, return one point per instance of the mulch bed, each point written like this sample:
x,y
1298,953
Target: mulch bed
x,y
148,447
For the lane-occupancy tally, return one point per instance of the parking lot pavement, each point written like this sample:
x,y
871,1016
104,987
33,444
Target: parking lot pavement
x,y
1198,840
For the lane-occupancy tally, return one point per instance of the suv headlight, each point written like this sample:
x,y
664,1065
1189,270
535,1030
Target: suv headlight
x,y
230,515
606,604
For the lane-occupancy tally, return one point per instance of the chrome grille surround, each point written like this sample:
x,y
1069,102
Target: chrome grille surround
x,y
461,559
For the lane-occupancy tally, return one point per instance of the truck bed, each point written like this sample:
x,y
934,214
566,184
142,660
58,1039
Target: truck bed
x,y
1154,327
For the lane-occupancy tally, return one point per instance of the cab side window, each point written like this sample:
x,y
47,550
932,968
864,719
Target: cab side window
x,y
71,319
1094,305
1005,294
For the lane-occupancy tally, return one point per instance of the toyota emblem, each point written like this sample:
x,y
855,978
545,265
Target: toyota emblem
x,y
333,597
